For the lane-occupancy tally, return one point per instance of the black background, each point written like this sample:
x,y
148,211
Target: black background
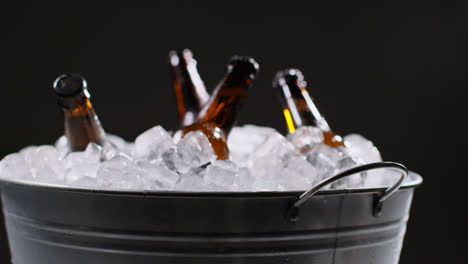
x,y
396,74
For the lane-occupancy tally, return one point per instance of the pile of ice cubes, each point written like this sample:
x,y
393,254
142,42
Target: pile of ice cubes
x,y
261,159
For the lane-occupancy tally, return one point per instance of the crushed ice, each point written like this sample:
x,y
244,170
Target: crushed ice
x,y
261,159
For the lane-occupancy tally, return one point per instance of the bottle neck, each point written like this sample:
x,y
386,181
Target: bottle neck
x,y
191,94
81,123
299,109
224,104
316,118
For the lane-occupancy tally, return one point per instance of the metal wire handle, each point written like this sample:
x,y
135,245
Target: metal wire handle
x,y
293,212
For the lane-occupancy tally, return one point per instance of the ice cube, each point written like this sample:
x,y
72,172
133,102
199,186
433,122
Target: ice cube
x,y
61,145
44,158
119,143
45,175
297,174
156,176
380,178
193,150
32,164
116,146
82,163
192,181
169,157
119,173
28,151
13,166
261,160
307,137
93,152
274,148
76,172
177,136
290,174
361,148
351,181
110,151
223,174
153,143
246,180
277,165
325,159
244,140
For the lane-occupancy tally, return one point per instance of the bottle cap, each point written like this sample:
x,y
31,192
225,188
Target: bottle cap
x,y
243,65
70,84
290,77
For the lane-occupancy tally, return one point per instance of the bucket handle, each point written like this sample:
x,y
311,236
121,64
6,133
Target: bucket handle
x,y
293,212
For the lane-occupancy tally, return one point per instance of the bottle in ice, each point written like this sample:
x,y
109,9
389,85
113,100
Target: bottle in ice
x,y
81,123
190,92
298,107
218,116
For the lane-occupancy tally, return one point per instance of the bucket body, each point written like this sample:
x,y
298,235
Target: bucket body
x,y
57,225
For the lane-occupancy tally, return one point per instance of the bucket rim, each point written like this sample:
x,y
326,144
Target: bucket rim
x,y
414,180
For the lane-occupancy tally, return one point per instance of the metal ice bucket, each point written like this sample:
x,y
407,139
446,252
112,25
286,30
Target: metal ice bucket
x,y
56,225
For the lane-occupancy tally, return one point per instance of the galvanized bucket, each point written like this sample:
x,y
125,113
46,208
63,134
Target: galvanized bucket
x,y
54,225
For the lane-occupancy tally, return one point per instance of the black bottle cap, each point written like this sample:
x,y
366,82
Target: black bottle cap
x,y
243,65
290,77
70,84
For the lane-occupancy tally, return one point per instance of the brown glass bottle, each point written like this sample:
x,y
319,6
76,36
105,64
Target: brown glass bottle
x,y
298,107
190,92
81,123
218,116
